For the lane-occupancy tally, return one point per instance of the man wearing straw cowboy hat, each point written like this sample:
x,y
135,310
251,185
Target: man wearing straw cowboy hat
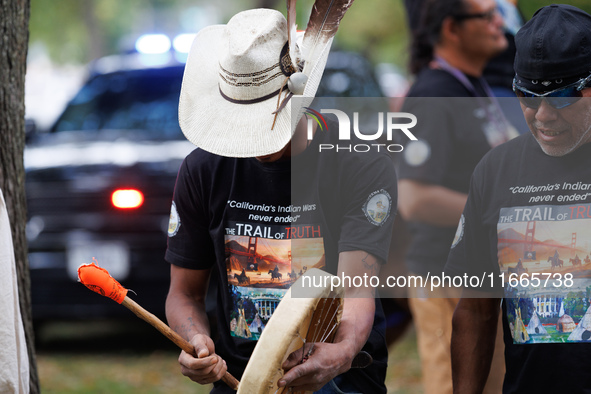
x,y
257,203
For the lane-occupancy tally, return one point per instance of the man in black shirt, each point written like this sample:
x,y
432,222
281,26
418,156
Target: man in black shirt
x,y
527,206
254,204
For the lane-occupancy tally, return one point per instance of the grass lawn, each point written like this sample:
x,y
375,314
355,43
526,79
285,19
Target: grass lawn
x,y
108,357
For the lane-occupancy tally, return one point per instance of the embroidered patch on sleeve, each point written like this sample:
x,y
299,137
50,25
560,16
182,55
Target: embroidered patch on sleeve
x,y
459,232
377,207
175,221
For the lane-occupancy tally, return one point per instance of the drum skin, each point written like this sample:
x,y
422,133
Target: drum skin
x,y
314,318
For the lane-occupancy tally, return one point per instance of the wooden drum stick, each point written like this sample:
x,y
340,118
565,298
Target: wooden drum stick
x,y
172,335
100,281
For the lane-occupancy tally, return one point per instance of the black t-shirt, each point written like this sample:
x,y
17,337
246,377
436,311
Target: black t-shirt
x,y
528,212
455,128
263,225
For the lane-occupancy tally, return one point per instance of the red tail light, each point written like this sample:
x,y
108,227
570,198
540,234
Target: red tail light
x,y
127,198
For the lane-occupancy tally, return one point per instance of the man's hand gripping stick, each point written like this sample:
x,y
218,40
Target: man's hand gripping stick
x,y
100,281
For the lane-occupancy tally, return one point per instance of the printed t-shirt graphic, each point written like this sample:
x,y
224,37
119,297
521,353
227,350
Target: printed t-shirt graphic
x,y
262,262
553,244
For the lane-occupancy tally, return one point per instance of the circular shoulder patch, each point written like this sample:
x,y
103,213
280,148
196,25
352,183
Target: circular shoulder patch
x,y
377,207
459,232
174,222
417,152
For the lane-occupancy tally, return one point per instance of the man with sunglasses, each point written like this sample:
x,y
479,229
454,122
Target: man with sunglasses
x,y
554,142
529,201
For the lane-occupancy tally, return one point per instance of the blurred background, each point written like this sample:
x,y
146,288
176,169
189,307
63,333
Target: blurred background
x,y
65,35
102,85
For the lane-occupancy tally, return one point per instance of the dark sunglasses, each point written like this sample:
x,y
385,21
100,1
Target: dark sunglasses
x,y
488,15
559,98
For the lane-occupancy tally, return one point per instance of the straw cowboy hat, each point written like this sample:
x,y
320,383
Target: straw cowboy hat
x,y
235,80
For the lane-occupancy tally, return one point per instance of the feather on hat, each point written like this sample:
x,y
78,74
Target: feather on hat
x,y
240,76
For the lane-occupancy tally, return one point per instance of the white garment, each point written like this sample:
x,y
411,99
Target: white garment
x,y
14,360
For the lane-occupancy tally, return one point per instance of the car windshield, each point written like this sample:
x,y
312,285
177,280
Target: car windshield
x,y
144,100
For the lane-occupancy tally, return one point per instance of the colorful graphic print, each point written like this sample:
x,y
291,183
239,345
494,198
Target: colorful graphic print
x,y
260,270
552,243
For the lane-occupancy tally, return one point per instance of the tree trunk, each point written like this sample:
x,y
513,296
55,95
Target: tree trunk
x,y
14,37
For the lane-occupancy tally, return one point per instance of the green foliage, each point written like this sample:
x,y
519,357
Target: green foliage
x,y
377,29
69,28
78,31
575,305
512,305
529,7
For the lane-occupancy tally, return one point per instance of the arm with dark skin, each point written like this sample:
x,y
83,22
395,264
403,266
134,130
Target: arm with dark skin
x,y
428,203
185,311
331,359
473,342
